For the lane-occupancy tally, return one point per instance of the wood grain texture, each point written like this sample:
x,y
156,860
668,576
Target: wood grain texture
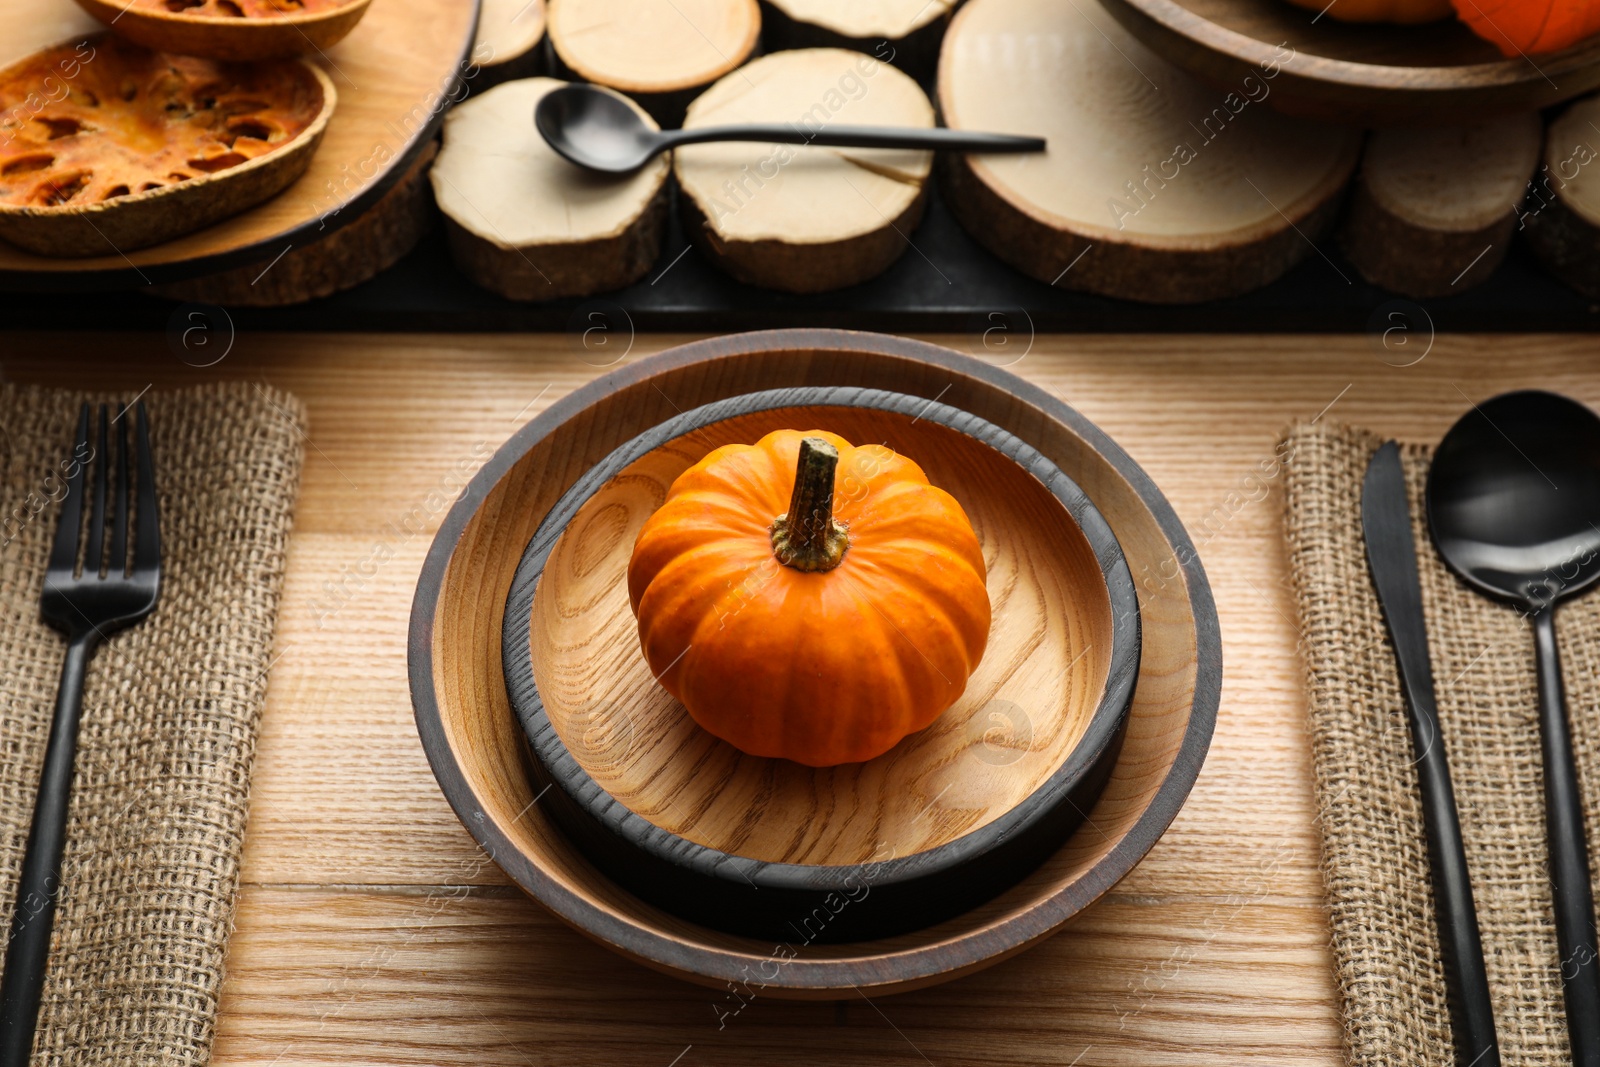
x,y
1365,74
946,819
371,931
1146,192
395,75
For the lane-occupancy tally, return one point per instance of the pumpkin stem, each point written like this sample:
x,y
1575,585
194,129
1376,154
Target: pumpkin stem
x,y
807,537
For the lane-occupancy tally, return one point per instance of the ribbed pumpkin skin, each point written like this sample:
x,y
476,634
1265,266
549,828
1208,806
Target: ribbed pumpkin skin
x,y
821,668
1531,27
1407,12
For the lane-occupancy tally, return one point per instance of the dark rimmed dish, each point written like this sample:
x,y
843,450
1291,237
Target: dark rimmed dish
x,y
888,890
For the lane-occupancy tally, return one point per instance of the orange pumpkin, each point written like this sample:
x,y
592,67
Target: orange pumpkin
x,y
1529,27
1401,11
800,620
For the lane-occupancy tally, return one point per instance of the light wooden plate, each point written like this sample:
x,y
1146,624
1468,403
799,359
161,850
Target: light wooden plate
x,y
478,752
395,74
1366,74
949,817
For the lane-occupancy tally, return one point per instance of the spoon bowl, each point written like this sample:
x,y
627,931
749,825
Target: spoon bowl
x,y
595,129
1514,498
599,130
1514,506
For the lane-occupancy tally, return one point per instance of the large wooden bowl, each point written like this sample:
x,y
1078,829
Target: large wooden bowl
x,y
1367,74
478,753
948,818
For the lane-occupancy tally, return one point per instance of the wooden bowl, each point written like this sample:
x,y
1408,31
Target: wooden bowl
x,y
478,750
228,37
1364,73
948,818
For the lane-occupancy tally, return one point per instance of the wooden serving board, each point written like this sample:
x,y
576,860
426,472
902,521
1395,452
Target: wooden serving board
x,y
395,74
1368,74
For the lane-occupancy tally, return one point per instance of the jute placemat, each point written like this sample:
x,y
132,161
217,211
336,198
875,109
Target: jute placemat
x,y
1374,856
170,718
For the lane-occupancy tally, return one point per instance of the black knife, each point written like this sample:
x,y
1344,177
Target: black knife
x,y
1392,558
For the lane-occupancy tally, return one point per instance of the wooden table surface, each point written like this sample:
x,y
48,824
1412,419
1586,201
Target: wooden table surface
x,y
371,931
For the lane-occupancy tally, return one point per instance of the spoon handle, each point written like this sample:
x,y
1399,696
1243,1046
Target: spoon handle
x,y
858,137
1569,852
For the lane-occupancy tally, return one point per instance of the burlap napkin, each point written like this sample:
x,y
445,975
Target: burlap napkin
x,y
1374,856
170,718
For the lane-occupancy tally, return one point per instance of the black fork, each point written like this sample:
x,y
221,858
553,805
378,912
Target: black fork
x,y
109,591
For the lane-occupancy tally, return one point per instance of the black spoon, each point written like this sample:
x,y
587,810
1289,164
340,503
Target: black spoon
x,y
1514,506
597,129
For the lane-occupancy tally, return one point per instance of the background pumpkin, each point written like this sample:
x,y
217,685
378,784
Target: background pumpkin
x,y
823,641
1518,27
1402,11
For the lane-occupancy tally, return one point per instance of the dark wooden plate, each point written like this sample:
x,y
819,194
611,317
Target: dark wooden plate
x,y
1367,74
395,75
948,818
479,752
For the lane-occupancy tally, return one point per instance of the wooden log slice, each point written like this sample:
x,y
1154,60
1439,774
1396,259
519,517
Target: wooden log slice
x,y
1433,210
663,53
1562,211
906,33
527,224
355,253
1155,187
802,218
509,42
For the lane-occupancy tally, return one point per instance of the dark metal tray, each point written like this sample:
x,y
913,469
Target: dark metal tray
x,y
945,282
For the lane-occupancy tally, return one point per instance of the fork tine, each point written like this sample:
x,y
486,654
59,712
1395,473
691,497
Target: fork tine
x,y
64,554
97,509
119,529
147,528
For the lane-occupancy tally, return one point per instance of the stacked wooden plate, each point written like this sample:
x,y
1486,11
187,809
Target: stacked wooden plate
x,y
561,472
945,820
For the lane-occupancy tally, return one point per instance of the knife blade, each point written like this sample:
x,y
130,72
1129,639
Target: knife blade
x,y
1392,559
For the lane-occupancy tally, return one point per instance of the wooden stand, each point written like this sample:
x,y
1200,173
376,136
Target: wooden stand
x,y
371,244
906,33
1433,212
1154,187
800,218
1562,211
663,53
508,45
525,223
